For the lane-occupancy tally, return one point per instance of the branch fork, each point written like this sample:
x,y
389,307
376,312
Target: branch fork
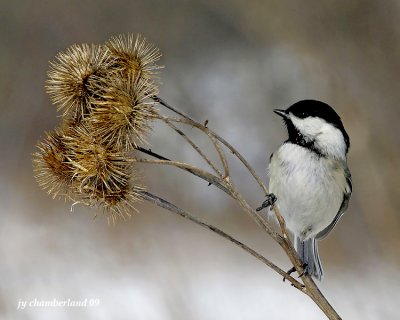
x,y
220,177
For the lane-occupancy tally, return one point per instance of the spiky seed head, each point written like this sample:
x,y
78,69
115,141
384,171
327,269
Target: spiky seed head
x,y
134,56
91,161
104,93
70,75
103,175
123,110
51,168
71,163
118,203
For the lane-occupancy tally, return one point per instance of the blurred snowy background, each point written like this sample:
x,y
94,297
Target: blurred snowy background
x,y
231,62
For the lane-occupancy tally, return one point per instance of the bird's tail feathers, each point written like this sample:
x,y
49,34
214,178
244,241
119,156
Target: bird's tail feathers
x,y
308,252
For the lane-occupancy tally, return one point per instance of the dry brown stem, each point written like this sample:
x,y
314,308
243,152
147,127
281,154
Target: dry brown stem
x,y
310,288
173,208
194,146
197,171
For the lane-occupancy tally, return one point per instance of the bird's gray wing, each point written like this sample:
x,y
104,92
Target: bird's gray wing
x,y
345,203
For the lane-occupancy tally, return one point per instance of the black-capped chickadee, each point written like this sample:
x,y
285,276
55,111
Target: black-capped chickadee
x,y
310,178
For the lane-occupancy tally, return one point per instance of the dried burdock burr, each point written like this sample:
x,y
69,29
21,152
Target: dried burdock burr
x,y
52,169
71,162
103,175
105,95
134,56
70,76
122,111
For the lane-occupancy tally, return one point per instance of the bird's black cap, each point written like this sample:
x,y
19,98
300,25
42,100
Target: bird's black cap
x,y
314,108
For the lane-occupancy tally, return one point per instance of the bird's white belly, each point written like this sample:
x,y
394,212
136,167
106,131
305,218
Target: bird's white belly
x,y
309,189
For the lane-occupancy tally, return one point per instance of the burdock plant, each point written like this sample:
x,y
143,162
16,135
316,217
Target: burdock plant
x,y
71,74
122,110
107,95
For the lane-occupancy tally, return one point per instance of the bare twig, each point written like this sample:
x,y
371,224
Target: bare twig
x,y
311,289
222,140
204,129
172,208
257,217
281,222
162,102
197,171
194,146
221,155
230,190
160,157
186,119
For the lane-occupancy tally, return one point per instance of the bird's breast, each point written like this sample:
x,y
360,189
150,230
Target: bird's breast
x,y
309,188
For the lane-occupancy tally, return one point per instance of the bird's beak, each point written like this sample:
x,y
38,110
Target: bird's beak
x,y
281,113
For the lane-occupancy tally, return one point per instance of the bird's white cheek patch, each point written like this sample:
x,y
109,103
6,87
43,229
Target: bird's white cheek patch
x,y
332,141
327,138
310,126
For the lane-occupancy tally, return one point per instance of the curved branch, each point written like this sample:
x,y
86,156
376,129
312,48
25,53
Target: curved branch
x,y
196,124
194,146
311,289
202,128
192,169
174,209
211,182
221,155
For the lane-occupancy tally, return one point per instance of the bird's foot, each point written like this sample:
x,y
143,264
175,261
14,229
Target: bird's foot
x,y
293,269
305,272
269,202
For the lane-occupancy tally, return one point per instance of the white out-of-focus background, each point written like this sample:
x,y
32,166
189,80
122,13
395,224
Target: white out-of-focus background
x,y
231,62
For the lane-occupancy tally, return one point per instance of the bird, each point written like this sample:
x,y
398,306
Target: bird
x,y
309,178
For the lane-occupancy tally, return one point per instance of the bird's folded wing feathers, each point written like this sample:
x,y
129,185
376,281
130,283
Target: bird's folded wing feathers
x,y
343,206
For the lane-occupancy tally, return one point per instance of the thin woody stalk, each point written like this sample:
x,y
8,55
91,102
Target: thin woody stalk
x,y
195,147
214,136
311,289
206,176
160,157
174,209
223,141
214,141
187,120
197,171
